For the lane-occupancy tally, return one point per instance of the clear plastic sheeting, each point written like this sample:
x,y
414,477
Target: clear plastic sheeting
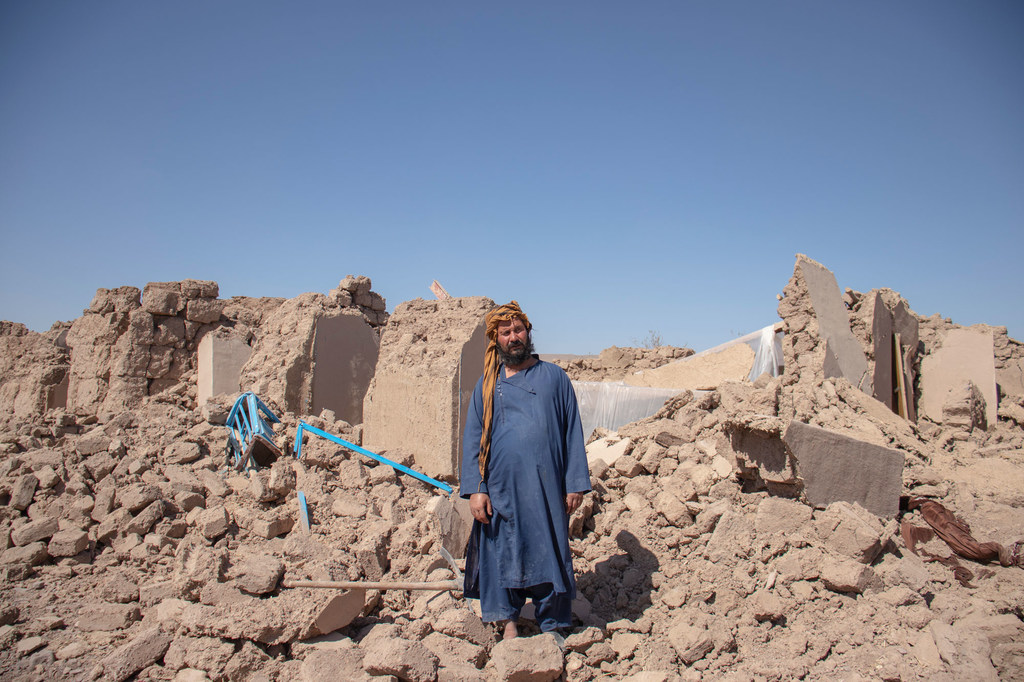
x,y
613,404
767,353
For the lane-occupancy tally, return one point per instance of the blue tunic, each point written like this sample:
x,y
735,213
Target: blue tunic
x,y
537,456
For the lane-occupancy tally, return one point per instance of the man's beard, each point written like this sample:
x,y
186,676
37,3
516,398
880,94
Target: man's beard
x,y
517,353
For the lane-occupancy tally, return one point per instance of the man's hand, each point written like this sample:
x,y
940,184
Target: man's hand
x,y
572,502
480,506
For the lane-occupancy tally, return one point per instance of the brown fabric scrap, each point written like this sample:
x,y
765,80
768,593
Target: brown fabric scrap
x,y
912,535
957,534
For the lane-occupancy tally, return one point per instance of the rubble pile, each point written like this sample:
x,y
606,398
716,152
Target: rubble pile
x,y
614,364
754,531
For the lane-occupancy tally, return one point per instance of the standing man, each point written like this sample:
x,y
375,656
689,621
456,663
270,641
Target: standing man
x,y
524,470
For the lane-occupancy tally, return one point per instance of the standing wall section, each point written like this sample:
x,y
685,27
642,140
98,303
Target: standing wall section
x,y
425,376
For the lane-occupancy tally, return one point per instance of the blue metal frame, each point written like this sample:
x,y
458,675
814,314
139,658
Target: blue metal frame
x,y
303,426
245,422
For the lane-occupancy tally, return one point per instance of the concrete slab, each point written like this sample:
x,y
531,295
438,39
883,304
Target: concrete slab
x,y
843,353
220,360
965,355
881,341
836,468
344,357
607,450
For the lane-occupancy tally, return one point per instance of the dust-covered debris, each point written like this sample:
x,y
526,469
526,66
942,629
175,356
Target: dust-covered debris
x,y
705,551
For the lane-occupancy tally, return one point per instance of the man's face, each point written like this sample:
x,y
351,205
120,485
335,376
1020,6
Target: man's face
x,y
514,345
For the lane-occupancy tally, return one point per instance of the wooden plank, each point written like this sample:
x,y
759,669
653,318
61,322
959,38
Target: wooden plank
x,y
901,385
439,290
437,585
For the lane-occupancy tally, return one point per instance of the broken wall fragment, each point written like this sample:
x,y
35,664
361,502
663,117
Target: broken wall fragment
x,y
818,341
837,468
431,356
966,355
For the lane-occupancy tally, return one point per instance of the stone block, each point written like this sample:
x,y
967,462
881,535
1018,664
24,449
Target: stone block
x,y
169,331
210,654
528,658
106,617
162,298
32,554
453,521
847,575
372,554
213,523
67,543
199,288
115,523
203,310
672,508
338,610
258,574
214,484
764,605
628,466
691,642
137,496
34,531
965,355
92,442
272,527
452,652
838,468
23,491
181,452
99,465
964,409
464,624
323,664
143,650
220,357
183,479
160,359
144,521
851,531
47,477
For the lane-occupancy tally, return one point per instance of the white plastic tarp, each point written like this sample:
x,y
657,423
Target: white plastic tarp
x,y
767,353
613,404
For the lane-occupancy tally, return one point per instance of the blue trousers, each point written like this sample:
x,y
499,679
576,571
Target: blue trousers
x,y
553,609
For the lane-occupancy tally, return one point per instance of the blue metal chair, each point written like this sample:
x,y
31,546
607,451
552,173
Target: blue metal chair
x,y
250,437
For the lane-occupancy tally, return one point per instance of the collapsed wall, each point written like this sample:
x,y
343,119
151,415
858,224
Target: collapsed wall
x,y
33,369
818,342
317,352
431,356
126,347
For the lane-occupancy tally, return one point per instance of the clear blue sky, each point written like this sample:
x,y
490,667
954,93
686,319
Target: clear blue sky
x,y
616,167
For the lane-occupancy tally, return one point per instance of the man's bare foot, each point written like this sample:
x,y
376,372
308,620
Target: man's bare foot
x,y
511,630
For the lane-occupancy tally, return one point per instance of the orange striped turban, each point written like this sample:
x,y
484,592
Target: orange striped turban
x,y
503,313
